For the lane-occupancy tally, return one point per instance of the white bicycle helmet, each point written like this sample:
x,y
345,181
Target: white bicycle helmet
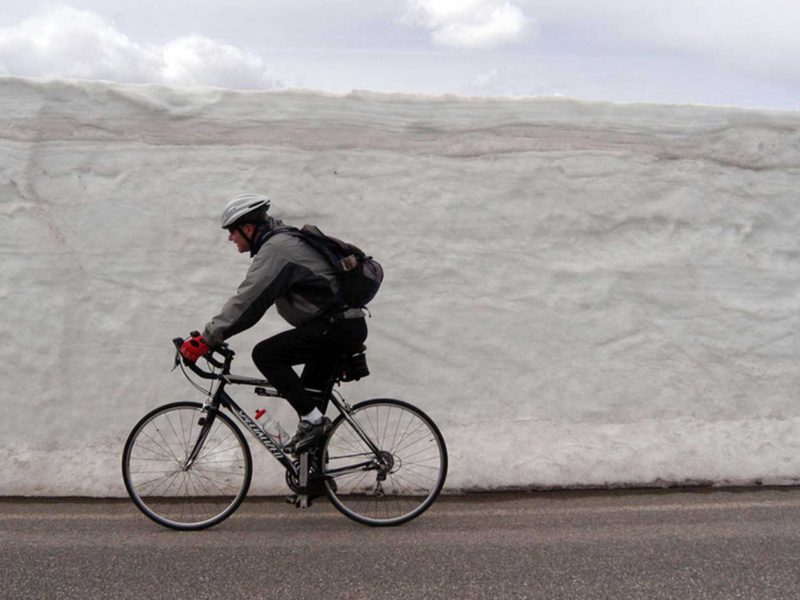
x,y
244,208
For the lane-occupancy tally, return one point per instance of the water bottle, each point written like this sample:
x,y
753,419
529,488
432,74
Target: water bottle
x,y
272,427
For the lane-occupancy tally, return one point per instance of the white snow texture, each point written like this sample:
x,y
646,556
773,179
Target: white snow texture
x,y
579,294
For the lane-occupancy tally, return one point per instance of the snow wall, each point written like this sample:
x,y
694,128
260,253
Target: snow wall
x,y
580,294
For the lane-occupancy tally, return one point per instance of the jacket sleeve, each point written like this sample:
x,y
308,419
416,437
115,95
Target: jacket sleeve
x,y
267,279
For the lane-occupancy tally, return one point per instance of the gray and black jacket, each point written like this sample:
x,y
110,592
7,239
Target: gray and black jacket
x,y
286,272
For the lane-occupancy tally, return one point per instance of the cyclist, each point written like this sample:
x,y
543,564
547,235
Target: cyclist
x,y
287,272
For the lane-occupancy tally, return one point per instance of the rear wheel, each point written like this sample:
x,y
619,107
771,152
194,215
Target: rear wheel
x,y
398,482
174,491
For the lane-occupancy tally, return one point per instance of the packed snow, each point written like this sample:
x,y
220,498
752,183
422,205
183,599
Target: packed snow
x,y
579,294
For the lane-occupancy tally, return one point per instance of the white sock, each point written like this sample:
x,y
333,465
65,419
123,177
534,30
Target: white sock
x,y
314,417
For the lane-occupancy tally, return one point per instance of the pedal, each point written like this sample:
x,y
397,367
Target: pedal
x,y
299,501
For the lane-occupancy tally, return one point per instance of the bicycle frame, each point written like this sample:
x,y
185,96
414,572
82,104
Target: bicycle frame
x,y
221,399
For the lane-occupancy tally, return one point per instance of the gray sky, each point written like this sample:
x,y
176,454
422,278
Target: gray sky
x,y
721,52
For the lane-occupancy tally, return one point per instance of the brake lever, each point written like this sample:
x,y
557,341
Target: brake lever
x,y
177,342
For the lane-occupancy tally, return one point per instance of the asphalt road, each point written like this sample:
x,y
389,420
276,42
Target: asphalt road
x,y
666,544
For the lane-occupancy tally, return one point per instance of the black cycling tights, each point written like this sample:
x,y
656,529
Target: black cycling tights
x,y
317,345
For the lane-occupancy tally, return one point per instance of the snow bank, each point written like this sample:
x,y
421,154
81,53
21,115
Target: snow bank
x,y
580,294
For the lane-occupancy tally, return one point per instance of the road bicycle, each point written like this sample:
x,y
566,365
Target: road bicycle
x,y
187,465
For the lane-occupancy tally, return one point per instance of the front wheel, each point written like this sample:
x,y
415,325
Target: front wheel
x,y
174,489
385,467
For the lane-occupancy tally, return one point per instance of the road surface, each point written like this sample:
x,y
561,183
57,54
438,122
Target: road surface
x,y
658,544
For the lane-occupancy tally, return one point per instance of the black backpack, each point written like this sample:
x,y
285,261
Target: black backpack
x,y
360,275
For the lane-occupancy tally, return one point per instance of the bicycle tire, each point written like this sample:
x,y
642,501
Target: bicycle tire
x,y
199,496
408,439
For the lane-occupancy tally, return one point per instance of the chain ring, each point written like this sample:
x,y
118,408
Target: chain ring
x,y
291,480
294,482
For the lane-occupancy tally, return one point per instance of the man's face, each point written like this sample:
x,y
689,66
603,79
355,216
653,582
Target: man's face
x,y
235,236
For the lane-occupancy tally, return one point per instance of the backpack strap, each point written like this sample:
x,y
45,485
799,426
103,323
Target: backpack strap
x,y
262,239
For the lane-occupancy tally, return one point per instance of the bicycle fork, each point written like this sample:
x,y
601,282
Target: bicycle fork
x,y
205,422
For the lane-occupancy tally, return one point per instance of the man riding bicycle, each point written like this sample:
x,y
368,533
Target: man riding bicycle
x,y
287,272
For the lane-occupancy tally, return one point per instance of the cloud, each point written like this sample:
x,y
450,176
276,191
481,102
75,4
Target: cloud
x,y
755,37
196,60
64,42
470,23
